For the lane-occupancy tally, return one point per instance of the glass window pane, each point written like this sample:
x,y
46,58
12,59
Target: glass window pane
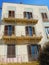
x,y
9,30
6,30
47,30
34,51
30,30
10,27
28,15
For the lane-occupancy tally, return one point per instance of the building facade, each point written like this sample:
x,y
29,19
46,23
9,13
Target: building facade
x,y
23,30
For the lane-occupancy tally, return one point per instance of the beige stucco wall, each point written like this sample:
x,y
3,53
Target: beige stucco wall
x,y
19,9
21,53
1,31
20,30
3,51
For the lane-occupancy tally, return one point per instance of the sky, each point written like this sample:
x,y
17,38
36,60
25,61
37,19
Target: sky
x,y
36,2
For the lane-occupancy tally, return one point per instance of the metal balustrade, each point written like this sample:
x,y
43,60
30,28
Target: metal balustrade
x,y
9,39
9,33
18,59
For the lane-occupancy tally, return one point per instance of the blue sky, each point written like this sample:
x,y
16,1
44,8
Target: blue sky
x,y
37,2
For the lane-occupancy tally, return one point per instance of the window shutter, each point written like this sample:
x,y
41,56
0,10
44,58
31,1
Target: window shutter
x,y
26,29
24,14
29,52
29,49
39,48
31,15
13,13
42,15
11,51
6,30
46,16
9,14
13,29
33,29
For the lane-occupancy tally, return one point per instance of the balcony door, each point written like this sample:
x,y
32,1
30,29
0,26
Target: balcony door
x,y
9,30
30,30
28,15
33,51
11,50
11,14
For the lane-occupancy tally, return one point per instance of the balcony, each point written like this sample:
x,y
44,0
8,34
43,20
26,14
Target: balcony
x,y
19,20
16,61
28,39
21,40
9,37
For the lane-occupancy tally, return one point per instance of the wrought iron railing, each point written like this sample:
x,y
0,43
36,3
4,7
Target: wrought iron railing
x,y
18,58
9,33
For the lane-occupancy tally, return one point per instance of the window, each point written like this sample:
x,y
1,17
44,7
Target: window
x,y
30,30
11,13
47,30
9,30
10,50
33,51
44,15
28,15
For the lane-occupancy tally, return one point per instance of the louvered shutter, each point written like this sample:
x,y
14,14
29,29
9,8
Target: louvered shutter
x,y
11,51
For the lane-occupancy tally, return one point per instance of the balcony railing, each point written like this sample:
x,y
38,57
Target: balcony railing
x,y
19,20
21,39
17,59
9,36
9,33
